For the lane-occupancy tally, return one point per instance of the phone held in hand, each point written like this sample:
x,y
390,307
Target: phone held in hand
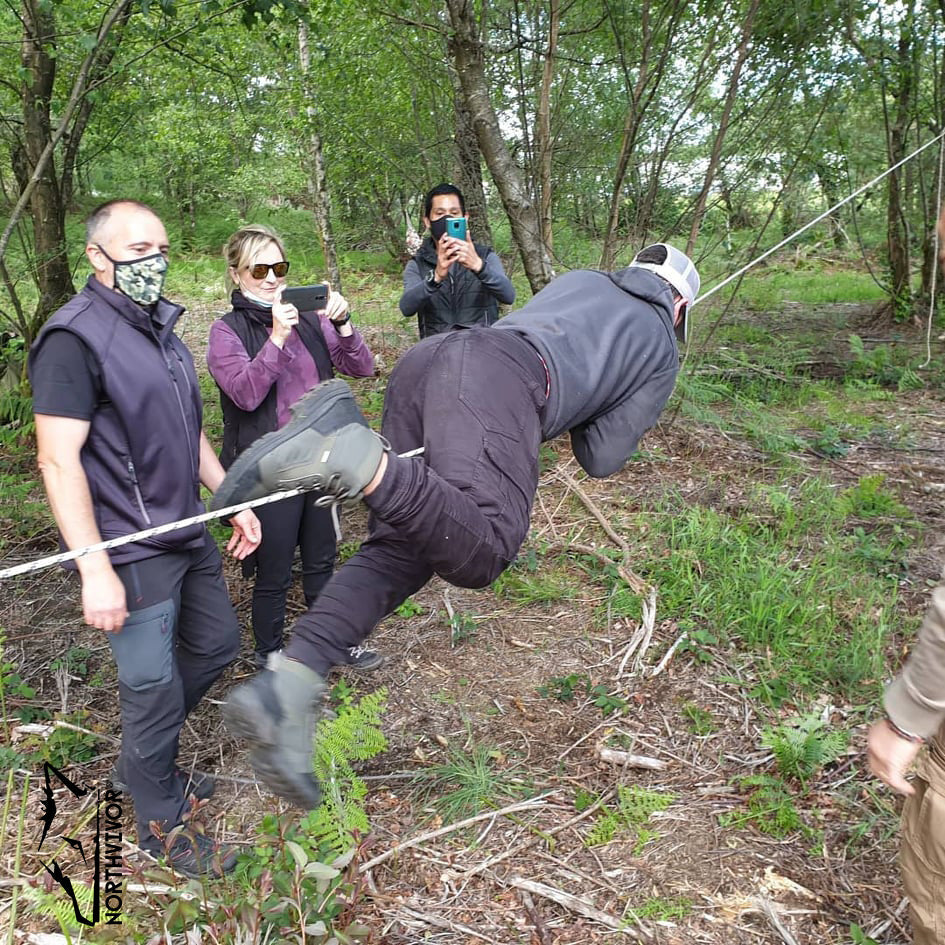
x,y
306,298
456,227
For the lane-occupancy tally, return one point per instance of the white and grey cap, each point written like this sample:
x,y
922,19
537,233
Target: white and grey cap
x,y
678,270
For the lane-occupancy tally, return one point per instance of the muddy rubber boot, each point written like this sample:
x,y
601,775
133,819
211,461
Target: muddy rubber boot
x,y
275,712
325,409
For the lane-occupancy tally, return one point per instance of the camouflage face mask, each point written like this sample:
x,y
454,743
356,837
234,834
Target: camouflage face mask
x,y
140,279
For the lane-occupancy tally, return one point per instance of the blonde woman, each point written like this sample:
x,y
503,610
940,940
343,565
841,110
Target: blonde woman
x,y
264,354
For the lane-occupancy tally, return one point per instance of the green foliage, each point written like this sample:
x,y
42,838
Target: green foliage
x,y
56,905
353,735
528,582
701,721
803,745
564,688
664,909
869,499
409,608
634,808
468,782
878,366
462,627
769,807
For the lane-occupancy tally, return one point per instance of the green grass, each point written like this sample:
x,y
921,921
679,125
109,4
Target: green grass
x,y
468,782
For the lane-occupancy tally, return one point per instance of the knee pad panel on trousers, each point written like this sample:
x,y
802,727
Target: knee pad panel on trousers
x,y
144,647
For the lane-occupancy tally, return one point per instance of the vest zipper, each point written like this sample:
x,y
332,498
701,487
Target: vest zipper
x,y
138,496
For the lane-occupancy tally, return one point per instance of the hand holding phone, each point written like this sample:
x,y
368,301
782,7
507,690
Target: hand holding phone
x,y
307,298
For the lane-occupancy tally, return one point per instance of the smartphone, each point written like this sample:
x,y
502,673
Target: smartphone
x,y
456,227
306,298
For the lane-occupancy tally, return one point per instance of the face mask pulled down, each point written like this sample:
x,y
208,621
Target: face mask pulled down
x,y
142,280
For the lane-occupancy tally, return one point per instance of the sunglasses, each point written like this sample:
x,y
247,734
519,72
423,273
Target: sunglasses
x,y
261,270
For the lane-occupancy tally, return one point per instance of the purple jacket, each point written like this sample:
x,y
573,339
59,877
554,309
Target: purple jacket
x,y
247,381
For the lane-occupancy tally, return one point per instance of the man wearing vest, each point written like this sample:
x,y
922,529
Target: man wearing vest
x,y
452,283
120,448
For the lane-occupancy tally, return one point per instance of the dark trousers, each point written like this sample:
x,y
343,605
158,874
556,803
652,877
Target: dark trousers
x,y
472,399
180,634
291,523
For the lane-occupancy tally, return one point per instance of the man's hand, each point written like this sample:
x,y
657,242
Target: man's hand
x,y
464,252
890,756
247,534
103,599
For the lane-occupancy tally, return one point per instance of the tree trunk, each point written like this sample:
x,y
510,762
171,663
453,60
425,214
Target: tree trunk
x,y
730,95
317,180
897,230
53,277
466,51
543,129
468,164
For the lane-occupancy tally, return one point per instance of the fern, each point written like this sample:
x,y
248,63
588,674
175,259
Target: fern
x,y
801,746
354,735
58,905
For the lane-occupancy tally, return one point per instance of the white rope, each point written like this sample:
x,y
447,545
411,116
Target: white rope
x,y
816,220
232,510
51,560
938,204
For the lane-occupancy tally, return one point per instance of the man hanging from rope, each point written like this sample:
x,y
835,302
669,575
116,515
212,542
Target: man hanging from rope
x,y
593,353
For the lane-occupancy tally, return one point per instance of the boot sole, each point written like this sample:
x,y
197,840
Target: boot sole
x,y
242,481
247,718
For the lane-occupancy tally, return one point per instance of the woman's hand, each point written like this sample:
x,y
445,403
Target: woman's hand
x,y
284,318
336,310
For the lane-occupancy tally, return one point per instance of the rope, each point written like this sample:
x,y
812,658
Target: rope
x,y
51,560
47,562
816,220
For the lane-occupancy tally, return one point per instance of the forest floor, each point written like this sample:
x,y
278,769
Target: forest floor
x,y
519,691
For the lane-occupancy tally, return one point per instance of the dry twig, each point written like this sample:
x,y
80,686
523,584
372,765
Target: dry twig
x,y
572,903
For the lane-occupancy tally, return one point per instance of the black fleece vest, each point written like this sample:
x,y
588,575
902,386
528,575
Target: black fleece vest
x,y
462,301
253,325
141,458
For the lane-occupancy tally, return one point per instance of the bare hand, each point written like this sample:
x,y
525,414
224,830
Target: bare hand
x,y
336,308
247,534
284,318
890,756
464,252
103,600
446,250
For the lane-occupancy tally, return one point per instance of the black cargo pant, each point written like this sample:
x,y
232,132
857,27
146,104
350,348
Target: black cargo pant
x,y
180,634
291,523
472,399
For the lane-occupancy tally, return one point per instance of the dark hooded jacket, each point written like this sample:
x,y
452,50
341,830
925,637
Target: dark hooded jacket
x,y
607,340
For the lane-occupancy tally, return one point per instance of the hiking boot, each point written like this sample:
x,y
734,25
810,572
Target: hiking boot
x,y
196,855
275,711
364,660
201,786
296,455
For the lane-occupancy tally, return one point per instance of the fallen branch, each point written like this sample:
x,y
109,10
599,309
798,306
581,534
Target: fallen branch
x,y
664,662
573,903
435,920
628,760
450,828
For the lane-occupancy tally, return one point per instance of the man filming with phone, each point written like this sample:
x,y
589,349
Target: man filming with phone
x,y
452,282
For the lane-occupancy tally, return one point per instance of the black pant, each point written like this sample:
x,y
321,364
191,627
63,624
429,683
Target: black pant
x,y
180,634
472,399
291,523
